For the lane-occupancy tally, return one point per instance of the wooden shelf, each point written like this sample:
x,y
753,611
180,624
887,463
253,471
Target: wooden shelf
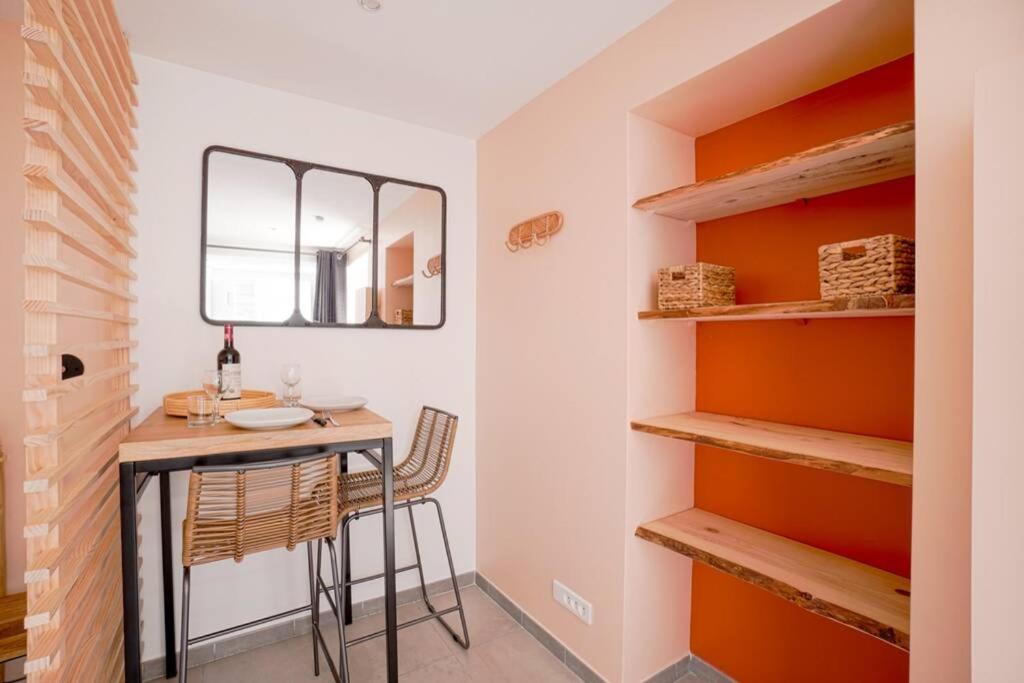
x,y
860,456
872,157
403,282
894,305
870,600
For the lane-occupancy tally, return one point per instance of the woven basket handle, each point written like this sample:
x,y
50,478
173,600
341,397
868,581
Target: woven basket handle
x,y
854,252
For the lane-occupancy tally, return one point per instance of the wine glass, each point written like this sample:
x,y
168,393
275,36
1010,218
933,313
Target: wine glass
x,y
213,385
291,375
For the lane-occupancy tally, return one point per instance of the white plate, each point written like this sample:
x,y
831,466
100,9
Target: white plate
x,y
268,418
334,403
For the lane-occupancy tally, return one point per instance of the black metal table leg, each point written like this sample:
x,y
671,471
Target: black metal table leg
x,y
130,574
390,597
170,660
347,568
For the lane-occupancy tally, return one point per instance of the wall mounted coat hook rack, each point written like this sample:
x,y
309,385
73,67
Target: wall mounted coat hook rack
x,y
537,230
433,267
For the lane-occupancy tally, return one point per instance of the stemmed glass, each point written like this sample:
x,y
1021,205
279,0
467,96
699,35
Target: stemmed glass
x,y
213,385
291,375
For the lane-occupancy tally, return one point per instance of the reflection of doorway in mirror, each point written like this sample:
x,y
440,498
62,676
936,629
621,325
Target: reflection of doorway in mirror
x,y
397,302
410,231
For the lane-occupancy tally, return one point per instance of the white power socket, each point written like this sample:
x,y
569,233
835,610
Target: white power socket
x,y
571,601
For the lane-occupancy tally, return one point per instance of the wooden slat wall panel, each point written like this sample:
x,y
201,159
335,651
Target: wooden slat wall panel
x,y
79,121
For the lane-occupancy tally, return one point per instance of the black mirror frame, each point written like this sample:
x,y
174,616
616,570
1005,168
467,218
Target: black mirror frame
x,y
299,168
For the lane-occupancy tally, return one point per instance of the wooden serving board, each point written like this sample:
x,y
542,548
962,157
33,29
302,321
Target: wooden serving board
x,y
176,404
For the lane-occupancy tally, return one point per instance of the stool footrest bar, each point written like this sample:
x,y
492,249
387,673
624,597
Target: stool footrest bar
x,y
404,624
248,624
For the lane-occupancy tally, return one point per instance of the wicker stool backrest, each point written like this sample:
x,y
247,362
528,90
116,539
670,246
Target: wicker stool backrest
x,y
237,510
431,452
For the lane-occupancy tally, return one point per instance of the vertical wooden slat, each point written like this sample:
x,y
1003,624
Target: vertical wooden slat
x,y
78,161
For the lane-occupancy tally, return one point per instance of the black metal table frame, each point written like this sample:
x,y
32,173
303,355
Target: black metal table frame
x,y
134,478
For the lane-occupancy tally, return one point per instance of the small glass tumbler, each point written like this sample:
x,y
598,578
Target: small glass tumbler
x,y
202,411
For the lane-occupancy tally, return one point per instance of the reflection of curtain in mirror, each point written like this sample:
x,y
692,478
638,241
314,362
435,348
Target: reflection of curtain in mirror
x,y
329,290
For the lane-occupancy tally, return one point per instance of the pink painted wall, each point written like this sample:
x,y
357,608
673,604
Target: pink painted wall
x,y
997,469
953,39
554,491
661,379
12,367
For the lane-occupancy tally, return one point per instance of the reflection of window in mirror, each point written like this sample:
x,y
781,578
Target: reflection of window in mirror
x,y
409,232
250,239
335,247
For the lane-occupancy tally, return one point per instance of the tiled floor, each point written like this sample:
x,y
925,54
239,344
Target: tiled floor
x,y
502,652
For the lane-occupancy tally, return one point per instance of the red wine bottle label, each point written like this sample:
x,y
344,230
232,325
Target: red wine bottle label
x,y
231,377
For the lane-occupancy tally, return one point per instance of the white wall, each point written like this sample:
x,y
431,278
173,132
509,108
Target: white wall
x,y
997,599
952,40
182,111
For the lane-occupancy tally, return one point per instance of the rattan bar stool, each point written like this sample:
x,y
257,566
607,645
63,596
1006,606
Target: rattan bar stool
x,y
238,510
415,478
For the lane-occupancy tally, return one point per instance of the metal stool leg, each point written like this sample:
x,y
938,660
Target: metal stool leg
x,y
464,640
346,570
339,609
314,613
183,653
419,561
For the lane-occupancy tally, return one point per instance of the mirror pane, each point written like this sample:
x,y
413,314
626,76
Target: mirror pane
x,y
336,248
410,236
250,239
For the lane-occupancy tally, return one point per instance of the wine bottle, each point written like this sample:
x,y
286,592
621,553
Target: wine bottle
x,y
229,362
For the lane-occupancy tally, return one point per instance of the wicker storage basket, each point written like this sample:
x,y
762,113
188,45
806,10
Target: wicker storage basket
x,y
873,266
697,285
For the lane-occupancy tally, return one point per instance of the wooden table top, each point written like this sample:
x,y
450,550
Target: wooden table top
x,y
161,436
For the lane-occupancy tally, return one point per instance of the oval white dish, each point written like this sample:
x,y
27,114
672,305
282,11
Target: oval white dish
x,y
333,403
268,418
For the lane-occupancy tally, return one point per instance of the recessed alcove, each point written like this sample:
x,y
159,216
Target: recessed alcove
x,y
780,367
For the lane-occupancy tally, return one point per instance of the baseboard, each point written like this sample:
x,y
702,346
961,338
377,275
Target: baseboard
x,y
292,627
690,664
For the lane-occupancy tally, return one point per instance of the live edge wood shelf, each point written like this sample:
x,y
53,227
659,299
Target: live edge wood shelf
x,y
864,159
860,456
857,595
888,306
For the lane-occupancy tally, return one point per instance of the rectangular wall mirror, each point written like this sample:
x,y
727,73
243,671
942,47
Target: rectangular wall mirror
x,y
297,244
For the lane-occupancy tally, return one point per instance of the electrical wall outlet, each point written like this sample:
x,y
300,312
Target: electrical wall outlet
x,y
568,599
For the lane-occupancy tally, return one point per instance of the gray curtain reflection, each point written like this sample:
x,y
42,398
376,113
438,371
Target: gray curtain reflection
x,y
329,290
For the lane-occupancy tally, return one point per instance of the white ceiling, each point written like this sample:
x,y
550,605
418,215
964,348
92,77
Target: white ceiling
x,y
456,65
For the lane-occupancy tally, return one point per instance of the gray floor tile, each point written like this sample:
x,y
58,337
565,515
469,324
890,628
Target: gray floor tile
x,y
485,619
502,652
514,658
447,670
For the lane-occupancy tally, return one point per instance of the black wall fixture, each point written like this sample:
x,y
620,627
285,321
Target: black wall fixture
x,y
71,366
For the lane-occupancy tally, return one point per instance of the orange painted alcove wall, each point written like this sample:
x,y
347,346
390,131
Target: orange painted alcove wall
x,y
853,375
